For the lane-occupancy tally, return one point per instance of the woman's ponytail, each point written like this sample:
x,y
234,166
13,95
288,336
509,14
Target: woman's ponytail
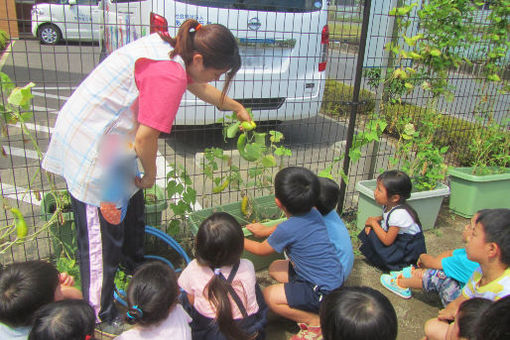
x,y
214,42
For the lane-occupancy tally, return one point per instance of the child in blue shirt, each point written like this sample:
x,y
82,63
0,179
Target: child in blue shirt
x,y
338,234
445,274
312,269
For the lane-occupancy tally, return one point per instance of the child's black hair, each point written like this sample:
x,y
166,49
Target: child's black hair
x,y
64,320
297,189
494,323
351,313
24,287
220,242
397,182
151,293
328,197
468,314
496,225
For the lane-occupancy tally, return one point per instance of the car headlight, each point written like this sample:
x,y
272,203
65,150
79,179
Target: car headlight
x,y
37,11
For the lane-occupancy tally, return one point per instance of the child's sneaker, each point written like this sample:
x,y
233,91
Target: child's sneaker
x,y
406,272
308,332
390,283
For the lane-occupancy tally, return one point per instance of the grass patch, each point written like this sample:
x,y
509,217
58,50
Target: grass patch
x,y
344,31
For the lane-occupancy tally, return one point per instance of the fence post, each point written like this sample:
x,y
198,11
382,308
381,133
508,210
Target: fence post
x,y
355,100
387,62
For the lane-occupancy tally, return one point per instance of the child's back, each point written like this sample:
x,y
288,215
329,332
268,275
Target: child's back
x,y
338,233
306,242
221,291
153,306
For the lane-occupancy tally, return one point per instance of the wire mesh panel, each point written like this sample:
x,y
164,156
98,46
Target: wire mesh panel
x,y
299,70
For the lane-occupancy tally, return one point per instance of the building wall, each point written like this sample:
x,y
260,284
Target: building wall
x,y
8,20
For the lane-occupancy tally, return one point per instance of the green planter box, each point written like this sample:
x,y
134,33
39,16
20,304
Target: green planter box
x,y
155,204
264,208
471,193
65,231
426,203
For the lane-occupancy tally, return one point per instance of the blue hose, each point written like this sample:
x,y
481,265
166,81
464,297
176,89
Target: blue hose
x,y
171,243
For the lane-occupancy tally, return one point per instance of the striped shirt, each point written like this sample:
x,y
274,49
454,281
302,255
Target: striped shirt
x,y
494,290
100,119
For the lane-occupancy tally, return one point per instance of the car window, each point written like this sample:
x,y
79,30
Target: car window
x,y
87,2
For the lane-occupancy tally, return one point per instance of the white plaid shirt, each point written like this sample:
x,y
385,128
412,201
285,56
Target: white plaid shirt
x,y
104,104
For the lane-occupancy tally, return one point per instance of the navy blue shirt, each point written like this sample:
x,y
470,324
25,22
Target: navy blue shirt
x,y
306,241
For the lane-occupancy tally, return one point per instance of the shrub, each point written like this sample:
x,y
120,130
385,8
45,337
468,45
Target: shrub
x,y
338,95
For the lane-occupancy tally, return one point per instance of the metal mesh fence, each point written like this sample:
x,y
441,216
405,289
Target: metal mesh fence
x,y
282,44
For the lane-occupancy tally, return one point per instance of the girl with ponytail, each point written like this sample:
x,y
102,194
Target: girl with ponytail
x,y
153,306
114,118
221,292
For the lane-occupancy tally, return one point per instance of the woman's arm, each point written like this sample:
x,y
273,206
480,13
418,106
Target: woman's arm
x,y
146,148
212,95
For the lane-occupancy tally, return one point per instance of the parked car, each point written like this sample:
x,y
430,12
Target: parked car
x,y
283,46
67,20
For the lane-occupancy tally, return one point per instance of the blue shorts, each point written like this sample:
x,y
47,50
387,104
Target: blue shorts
x,y
435,280
302,294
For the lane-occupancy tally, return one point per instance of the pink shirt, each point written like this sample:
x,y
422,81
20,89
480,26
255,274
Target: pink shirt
x,y
161,85
195,277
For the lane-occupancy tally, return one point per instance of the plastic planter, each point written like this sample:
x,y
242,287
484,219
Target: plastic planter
x,y
471,193
64,231
426,203
154,206
264,208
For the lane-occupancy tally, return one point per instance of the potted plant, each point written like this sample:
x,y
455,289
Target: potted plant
x,y
423,161
486,182
261,152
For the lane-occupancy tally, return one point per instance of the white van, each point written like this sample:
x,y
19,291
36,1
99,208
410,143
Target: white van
x,y
283,45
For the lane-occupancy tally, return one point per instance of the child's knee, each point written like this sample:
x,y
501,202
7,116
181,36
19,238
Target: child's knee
x,y
435,329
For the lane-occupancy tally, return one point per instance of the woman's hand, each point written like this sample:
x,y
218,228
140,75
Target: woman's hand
x,y
243,115
145,182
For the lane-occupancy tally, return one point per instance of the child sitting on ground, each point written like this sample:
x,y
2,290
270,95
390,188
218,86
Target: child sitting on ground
x,y
489,245
26,286
395,239
494,323
358,313
338,234
313,266
64,320
221,291
153,307
467,318
445,274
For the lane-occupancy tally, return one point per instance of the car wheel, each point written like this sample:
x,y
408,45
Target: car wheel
x,y
49,34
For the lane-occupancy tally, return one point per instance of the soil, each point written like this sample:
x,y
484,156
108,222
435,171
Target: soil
x,y
411,313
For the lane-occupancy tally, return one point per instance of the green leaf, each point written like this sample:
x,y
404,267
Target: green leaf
x,y
435,52
21,96
276,136
268,161
493,77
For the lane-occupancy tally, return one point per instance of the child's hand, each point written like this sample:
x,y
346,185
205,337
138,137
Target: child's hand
x,y
447,314
373,220
367,229
66,279
257,229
